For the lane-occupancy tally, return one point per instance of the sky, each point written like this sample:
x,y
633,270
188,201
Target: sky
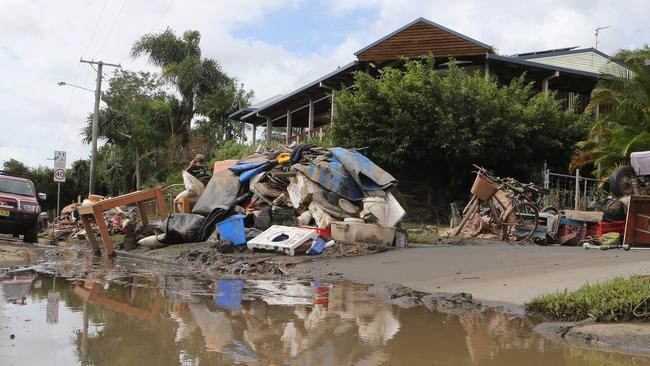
x,y
271,46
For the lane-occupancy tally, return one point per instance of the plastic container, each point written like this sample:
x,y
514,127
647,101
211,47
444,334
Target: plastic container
x,y
363,233
378,207
484,188
326,233
568,227
232,229
598,229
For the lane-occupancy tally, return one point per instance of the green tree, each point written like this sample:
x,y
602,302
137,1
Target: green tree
x,y
626,129
15,166
431,125
139,118
180,60
216,104
635,58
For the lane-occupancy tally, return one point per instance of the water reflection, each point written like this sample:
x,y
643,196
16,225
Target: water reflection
x,y
109,317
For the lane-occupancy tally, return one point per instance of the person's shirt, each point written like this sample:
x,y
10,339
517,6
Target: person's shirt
x,y
197,171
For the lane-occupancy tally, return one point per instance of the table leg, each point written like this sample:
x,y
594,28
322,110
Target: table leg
x,y
142,212
90,234
163,212
103,232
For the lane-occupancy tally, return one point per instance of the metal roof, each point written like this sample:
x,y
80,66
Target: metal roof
x,y
519,61
544,53
427,21
281,98
572,51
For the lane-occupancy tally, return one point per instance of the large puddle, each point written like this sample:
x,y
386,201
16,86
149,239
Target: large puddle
x,y
131,313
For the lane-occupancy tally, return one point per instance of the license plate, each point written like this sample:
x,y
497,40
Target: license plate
x,y
4,213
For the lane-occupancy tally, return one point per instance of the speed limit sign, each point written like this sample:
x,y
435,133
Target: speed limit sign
x,y
59,175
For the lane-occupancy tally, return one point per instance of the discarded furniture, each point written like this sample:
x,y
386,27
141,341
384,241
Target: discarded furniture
x,y
97,210
637,226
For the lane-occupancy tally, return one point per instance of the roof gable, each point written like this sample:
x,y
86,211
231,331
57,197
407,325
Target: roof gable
x,y
419,38
586,59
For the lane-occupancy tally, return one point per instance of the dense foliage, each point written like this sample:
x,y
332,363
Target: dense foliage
x,y
433,124
613,300
626,129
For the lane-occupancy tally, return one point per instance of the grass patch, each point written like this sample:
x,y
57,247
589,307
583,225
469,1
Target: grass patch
x,y
422,234
608,301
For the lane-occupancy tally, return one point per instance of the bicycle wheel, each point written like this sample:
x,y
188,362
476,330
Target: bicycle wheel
x,y
520,222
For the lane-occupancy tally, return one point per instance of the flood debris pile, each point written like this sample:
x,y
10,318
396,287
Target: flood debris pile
x,y
505,209
119,221
304,200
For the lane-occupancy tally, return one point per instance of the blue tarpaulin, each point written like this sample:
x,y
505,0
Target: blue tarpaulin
x,y
348,173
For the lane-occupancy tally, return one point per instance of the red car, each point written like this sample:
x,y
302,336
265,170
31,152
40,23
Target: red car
x,y
19,208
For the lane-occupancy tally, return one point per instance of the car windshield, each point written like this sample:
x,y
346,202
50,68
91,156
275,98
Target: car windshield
x,y
16,187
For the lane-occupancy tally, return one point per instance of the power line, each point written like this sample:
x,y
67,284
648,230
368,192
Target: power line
x,y
92,36
76,77
155,24
162,16
112,27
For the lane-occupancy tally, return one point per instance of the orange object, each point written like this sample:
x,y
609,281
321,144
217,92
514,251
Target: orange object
x,y
284,158
223,165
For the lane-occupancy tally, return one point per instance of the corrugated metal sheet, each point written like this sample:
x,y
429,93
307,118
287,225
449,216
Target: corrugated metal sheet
x,y
585,61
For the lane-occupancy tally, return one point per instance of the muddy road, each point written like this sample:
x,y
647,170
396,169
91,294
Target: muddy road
x,y
71,309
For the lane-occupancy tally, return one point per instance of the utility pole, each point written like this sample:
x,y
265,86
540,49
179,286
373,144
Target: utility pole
x,y
98,95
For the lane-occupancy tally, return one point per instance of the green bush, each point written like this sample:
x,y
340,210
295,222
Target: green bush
x,y
612,300
432,124
231,150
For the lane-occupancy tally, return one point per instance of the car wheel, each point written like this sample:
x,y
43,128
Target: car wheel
x,y
620,181
31,235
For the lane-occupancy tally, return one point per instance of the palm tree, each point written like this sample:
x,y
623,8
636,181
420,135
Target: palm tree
x,y
625,129
180,60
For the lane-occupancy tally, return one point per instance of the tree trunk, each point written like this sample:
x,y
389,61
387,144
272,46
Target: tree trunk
x,y
188,111
137,170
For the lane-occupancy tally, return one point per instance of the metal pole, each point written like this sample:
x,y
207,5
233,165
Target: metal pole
x,y
58,197
584,195
577,196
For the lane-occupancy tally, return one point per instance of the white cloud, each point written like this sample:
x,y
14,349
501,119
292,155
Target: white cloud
x,y
43,40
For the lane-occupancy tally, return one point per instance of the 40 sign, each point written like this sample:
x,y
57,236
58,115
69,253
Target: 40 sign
x,y
59,175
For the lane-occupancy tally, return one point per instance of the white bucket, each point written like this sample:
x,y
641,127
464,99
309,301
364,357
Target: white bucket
x,y
378,207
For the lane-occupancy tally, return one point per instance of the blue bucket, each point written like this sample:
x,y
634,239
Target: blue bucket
x,y
232,229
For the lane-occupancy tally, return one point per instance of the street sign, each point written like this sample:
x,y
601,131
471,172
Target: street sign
x,y
59,160
59,175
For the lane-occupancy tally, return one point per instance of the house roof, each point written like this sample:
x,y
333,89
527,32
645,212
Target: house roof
x,y
532,63
433,24
277,101
584,59
543,52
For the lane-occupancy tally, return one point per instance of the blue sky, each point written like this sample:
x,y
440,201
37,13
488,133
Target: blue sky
x,y
272,46
308,28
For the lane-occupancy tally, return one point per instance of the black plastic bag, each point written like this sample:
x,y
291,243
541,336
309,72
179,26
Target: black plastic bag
x,y
182,228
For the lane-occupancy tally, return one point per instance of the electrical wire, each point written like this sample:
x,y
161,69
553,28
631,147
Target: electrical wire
x,y
162,16
155,24
66,114
112,27
92,36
